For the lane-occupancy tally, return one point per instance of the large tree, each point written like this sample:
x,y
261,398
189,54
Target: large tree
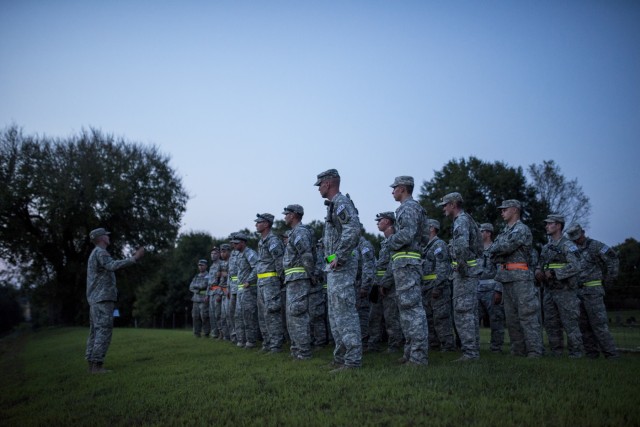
x,y
561,196
54,191
483,186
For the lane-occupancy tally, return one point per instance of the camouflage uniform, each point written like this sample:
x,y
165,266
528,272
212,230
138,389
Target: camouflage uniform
x,y
234,314
222,281
341,237
406,257
214,293
318,303
512,251
364,281
598,263
299,268
388,303
487,287
247,279
435,275
102,295
269,270
465,284
200,311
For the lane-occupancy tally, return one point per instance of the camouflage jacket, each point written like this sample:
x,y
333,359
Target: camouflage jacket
x,y
214,271
341,231
270,253
198,287
436,268
512,245
232,271
465,244
384,267
299,260
597,262
366,264
563,258
247,262
101,279
410,225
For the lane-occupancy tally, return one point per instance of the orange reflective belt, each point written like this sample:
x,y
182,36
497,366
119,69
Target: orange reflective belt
x,y
215,288
515,266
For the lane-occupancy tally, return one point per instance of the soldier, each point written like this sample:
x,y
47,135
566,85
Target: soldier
x,y
200,310
102,295
385,289
235,314
512,251
247,262
558,270
299,268
490,292
223,272
364,281
270,272
406,257
436,290
318,302
341,236
465,249
598,265
214,293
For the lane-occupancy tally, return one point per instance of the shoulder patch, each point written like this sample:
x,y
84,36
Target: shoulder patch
x,y
437,251
340,209
273,246
365,250
295,242
604,249
572,247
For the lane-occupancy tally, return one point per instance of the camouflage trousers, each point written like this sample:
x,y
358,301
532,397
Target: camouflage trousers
x,y
200,315
496,317
343,316
231,317
215,314
413,319
392,319
298,320
465,314
271,306
283,313
100,330
363,307
439,319
522,315
250,314
594,323
376,323
238,318
224,322
317,314
562,311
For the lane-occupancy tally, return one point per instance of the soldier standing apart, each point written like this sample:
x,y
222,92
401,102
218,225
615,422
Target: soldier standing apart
x,y
234,301
436,290
223,273
200,310
247,280
270,272
214,293
406,256
465,249
299,267
490,292
512,251
341,236
364,281
598,265
386,291
102,295
558,270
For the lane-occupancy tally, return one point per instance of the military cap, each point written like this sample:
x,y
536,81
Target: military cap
x,y
511,203
574,232
240,236
202,262
402,180
97,233
225,247
486,227
331,173
433,223
215,249
293,208
264,217
386,215
555,218
451,197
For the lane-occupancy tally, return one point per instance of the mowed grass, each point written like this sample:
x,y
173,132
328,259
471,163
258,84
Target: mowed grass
x,y
168,377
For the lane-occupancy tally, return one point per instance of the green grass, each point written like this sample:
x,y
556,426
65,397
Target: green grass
x,y
167,377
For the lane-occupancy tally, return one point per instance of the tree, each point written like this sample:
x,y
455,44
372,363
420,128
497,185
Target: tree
x,y
483,186
54,191
561,196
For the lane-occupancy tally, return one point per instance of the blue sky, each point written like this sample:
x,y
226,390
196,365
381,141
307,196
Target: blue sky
x,y
252,99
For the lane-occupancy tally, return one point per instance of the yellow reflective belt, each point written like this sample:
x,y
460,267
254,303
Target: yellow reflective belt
x,y
555,266
430,277
267,274
398,255
234,277
202,292
246,285
380,273
594,283
294,270
470,263
324,286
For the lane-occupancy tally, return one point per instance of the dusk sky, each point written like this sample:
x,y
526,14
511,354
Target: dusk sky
x,y
251,100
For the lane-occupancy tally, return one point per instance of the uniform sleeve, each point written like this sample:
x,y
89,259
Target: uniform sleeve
x,y
348,217
252,259
108,263
572,267
460,242
406,229
509,243
368,266
443,264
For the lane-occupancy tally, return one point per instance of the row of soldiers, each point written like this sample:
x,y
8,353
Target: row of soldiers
x,y
419,292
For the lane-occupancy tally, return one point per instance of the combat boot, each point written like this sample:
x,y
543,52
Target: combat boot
x,y
98,369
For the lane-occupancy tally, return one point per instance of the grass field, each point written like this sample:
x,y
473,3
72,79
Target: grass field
x,y
167,377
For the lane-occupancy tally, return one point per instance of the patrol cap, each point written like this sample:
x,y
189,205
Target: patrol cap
x,y
239,237
293,208
225,247
574,232
386,215
433,223
510,203
402,180
215,249
202,262
232,237
330,173
97,233
451,197
264,217
555,218
487,226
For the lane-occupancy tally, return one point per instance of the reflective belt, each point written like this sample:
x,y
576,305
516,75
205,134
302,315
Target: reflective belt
x,y
593,283
234,277
331,257
324,286
510,266
294,270
380,273
246,285
430,277
215,288
412,255
202,292
554,266
470,263
267,274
